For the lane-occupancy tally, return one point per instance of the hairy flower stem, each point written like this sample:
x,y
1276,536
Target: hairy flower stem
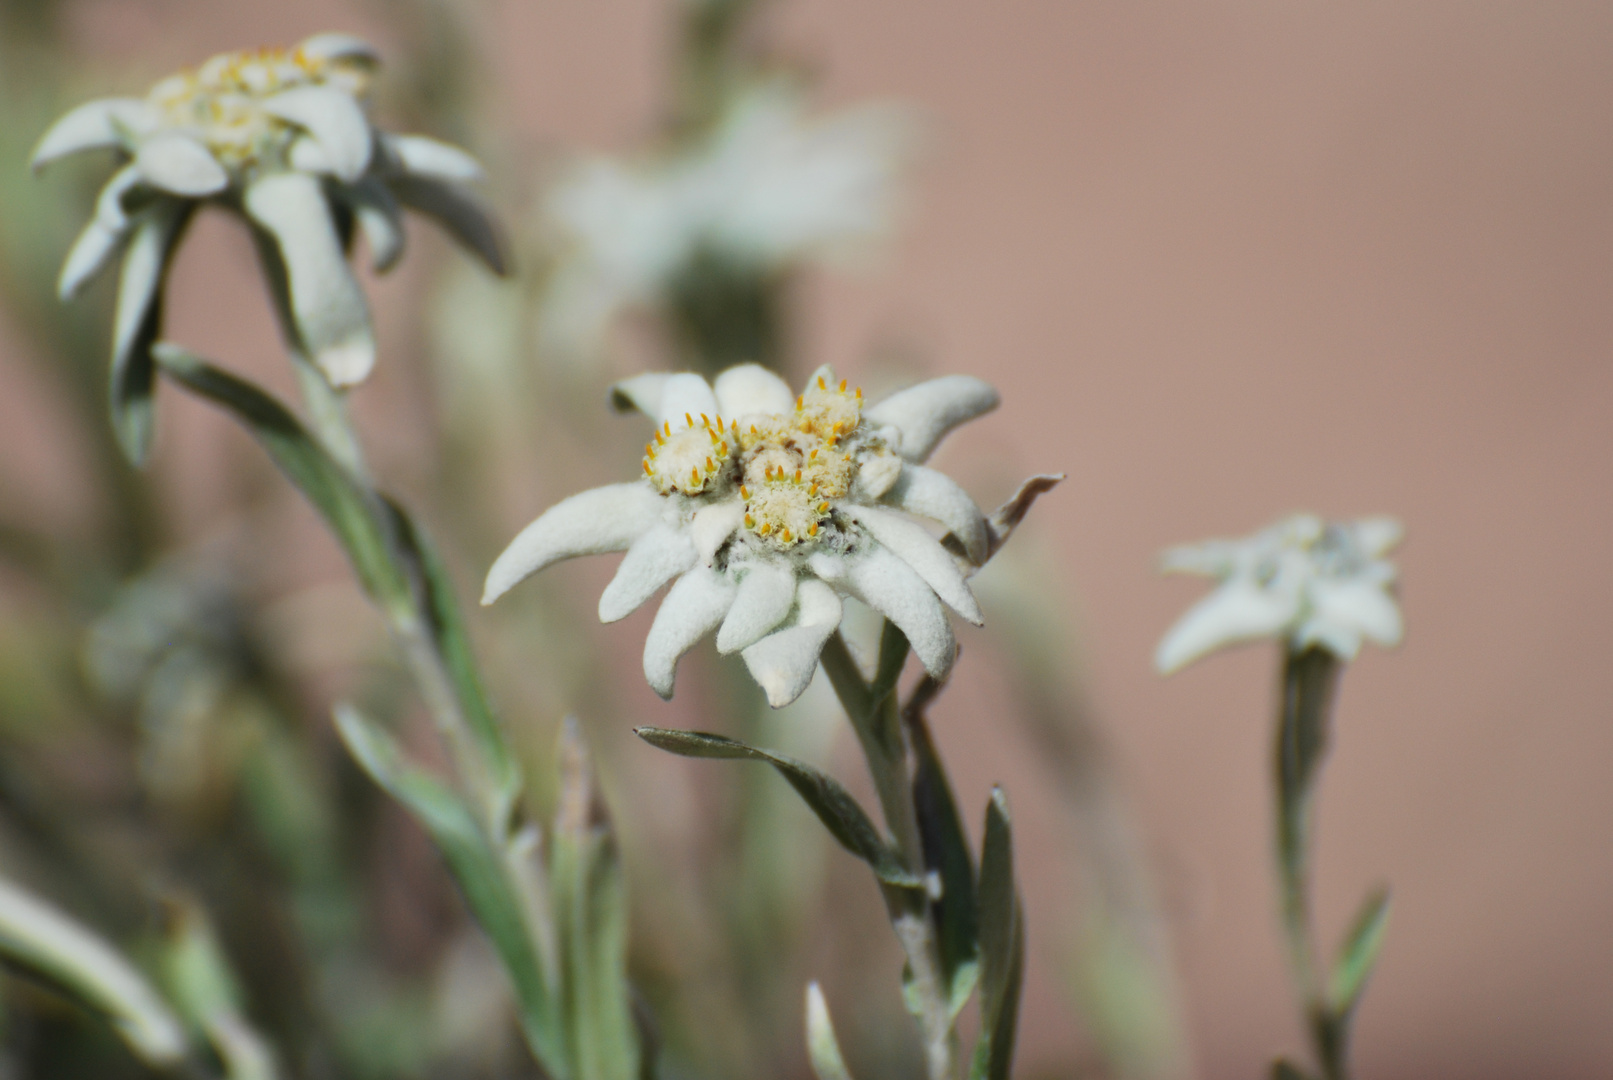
x,y
1308,681
876,718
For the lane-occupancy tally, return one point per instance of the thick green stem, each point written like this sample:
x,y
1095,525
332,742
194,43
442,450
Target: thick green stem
x,y
1309,678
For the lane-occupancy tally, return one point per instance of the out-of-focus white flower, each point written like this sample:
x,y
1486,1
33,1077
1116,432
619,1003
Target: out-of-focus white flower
x,y
282,137
767,508
1307,581
766,188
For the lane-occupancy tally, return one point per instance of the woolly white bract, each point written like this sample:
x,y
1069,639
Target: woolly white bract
x,y
767,508
1307,581
767,187
282,137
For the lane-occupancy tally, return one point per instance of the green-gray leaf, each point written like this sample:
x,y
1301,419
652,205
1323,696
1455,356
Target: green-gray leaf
x,y
1359,953
946,853
477,867
833,804
590,913
1002,946
43,939
822,1046
353,514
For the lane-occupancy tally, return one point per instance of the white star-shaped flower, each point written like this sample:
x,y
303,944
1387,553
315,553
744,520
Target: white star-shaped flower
x,y
764,509
282,137
768,187
1309,582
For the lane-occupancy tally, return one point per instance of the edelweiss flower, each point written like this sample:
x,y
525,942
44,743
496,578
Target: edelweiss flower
x,y
767,508
767,188
1308,581
280,136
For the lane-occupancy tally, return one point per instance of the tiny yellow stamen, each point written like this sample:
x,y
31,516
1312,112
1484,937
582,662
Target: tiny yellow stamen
x,y
750,522
821,384
785,534
648,471
797,476
800,403
823,508
710,465
859,393
704,419
649,450
694,477
767,527
812,456
688,421
744,492
669,427
813,490
752,427
842,386
812,530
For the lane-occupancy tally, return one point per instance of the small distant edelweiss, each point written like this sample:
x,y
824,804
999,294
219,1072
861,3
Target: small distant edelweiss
x,y
282,137
768,187
767,508
1304,580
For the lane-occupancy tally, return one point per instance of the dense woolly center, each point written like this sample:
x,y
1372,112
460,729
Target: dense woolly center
x,y
788,468
222,100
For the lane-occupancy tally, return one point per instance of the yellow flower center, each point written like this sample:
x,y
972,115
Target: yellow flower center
x,y
794,466
690,460
222,100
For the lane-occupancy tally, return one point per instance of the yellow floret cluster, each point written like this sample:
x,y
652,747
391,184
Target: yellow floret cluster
x,y
793,466
222,99
688,461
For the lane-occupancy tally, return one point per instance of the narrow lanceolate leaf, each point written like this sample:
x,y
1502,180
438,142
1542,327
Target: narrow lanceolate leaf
x,y
1359,953
355,516
480,872
43,939
202,984
138,323
590,913
946,854
833,804
447,628
822,1046
1002,946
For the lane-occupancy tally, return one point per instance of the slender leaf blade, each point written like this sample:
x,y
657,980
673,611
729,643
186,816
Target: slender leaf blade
x,y
834,805
353,514
1359,953
1002,945
477,868
946,854
590,909
822,1047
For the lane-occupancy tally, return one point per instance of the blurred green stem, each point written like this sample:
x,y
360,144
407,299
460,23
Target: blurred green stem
x,y
876,718
1308,682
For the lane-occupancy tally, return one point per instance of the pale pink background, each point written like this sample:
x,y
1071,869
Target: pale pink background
x,y
1226,260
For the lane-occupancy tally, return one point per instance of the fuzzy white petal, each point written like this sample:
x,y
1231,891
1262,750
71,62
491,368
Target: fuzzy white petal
x,y
783,662
592,522
923,414
177,163
1378,535
766,593
684,395
1362,606
876,476
641,392
334,119
379,220
89,255
457,211
893,588
333,319
751,388
333,45
1236,612
694,606
103,123
425,156
918,549
656,557
714,524
937,496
